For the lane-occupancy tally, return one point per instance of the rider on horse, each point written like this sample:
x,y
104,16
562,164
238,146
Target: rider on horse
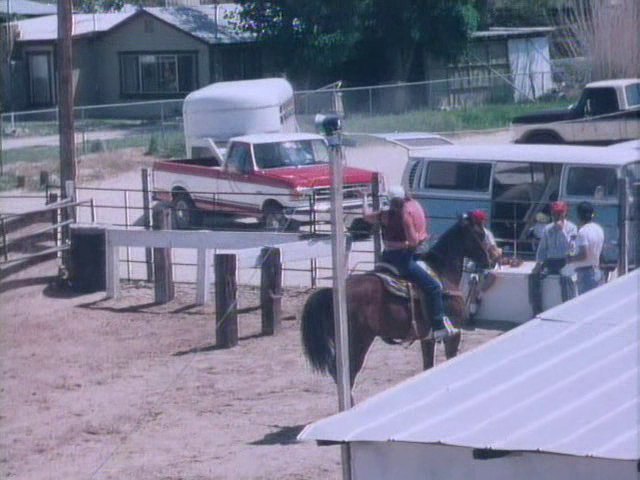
x,y
404,231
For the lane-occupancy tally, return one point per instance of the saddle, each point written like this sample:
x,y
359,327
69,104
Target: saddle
x,y
402,288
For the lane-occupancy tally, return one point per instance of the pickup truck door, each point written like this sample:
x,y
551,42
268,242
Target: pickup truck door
x,y
600,117
236,192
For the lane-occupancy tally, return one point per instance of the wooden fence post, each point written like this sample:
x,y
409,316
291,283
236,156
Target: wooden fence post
x,y
226,305
163,269
375,232
146,217
271,290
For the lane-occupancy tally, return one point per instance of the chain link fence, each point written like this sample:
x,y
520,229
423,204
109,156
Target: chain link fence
x,y
30,150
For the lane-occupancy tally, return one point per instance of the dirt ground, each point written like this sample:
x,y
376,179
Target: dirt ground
x,y
95,388
117,389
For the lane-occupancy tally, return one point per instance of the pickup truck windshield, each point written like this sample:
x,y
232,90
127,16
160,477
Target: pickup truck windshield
x,y
290,154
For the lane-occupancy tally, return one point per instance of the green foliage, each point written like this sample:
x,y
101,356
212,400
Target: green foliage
x,y
476,118
360,41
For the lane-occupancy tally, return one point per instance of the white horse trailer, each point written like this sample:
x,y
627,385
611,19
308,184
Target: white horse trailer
x,y
214,114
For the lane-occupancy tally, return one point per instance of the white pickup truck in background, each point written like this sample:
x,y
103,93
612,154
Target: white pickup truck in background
x,y
608,112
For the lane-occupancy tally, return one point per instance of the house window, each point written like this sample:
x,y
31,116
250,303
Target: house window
x,y
158,73
40,71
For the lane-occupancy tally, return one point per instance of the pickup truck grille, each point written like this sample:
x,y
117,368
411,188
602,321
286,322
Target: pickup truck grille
x,y
349,192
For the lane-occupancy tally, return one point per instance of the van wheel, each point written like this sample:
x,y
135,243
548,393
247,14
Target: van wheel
x,y
274,219
185,214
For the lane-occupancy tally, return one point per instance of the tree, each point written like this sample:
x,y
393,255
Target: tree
x,y
606,33
360,41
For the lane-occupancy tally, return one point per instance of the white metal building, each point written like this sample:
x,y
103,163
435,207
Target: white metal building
x,y
556,398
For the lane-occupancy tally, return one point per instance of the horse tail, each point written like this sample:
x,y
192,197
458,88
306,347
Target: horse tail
x,y
318,332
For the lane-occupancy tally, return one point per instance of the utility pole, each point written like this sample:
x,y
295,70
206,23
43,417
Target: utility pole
x,y
65,96
65,118
331,125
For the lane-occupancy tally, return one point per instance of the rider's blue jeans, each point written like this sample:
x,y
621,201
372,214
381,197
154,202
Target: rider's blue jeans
x,y
407,266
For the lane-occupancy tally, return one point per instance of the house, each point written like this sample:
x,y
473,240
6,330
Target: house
x,y
143,54
553,399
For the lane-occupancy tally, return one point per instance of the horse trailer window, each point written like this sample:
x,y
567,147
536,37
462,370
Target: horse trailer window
x,y
592,182
472,177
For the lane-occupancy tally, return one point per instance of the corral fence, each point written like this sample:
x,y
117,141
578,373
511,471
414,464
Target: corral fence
x,y
38,234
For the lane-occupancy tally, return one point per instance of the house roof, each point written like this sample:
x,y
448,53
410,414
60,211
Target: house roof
x,y
26,8
213,24
566,382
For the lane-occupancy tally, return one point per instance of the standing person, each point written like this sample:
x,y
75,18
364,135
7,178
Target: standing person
x,y
557,239
589,242
553,250
404,230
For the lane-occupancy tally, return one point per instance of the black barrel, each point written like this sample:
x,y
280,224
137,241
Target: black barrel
x,y
87,259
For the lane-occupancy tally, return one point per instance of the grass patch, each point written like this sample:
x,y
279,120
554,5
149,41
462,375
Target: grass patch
x,y
476,118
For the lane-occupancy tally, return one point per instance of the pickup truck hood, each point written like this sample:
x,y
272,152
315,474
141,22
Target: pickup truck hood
x,y
546,116
316,176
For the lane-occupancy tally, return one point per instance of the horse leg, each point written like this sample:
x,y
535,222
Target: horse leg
x,y
451,345
428,351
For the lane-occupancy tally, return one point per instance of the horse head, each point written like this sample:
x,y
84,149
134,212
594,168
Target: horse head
x,y
473,242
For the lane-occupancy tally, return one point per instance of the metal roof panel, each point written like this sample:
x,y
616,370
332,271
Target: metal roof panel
x,y
566,383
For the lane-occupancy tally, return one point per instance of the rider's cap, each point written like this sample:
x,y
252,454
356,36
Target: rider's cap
x,y
479,216
396,191
559,208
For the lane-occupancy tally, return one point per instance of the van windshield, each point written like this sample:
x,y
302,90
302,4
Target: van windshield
x,y
295,153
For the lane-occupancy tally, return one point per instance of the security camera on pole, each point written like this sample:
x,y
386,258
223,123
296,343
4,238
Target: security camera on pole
x,y
331,126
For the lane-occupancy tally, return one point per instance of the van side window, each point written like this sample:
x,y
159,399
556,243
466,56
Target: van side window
x,y
473,177
592,181
239,159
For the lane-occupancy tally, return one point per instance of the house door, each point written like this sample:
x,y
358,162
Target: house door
x,y
40,79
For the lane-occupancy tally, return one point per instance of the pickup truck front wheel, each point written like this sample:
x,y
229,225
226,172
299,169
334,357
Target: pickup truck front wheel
x,y
185,214
273,219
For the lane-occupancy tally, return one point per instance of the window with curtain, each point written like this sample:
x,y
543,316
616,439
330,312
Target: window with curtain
x,y
158,73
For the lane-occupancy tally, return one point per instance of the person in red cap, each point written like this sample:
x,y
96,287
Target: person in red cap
x,y
556,244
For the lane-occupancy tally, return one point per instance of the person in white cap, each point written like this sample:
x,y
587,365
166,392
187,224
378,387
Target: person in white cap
x,y
404,230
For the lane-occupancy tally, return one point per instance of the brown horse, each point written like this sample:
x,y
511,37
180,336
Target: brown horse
x,y
373,312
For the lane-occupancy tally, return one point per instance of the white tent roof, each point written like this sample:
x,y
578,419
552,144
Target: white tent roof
x,y
566,382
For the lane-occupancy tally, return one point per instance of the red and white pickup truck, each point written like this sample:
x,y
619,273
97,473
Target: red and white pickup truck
x,y
282,179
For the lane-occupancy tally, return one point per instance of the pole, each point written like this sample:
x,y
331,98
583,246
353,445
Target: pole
x,y
623,260
65,103
339,250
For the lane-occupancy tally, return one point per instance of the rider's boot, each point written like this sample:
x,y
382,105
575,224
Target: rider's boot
x,y
443,328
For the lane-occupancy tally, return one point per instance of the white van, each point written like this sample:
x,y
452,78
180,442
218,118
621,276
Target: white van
x,y
215,113
513,183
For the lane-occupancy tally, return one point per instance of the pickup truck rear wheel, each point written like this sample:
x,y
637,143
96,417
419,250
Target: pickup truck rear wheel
x,y
274,219
544,138
185,214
